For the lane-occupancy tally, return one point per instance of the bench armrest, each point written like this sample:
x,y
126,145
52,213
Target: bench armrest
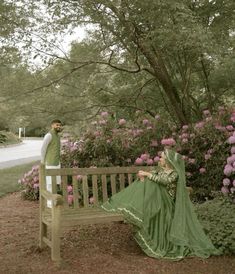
x,y
57,199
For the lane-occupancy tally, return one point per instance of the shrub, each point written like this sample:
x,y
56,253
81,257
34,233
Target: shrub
x,y
30,184
204,146
218,219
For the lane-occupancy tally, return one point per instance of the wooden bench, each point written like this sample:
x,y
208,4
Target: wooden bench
x,y
94,188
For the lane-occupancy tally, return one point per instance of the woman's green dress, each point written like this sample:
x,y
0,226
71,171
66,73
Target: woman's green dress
x,y
166,225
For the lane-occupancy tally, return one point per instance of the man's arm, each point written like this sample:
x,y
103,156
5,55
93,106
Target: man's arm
x,y
46,141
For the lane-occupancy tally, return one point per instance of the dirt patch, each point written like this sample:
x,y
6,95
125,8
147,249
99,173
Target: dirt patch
x,y
105,249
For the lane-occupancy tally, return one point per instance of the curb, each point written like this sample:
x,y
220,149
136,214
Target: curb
x,y
11,145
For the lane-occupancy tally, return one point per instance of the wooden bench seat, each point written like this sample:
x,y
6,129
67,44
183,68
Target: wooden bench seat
x,y
83,217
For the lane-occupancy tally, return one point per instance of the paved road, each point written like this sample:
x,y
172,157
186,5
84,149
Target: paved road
x,y
26,152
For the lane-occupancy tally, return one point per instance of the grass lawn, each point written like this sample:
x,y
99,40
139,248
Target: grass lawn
x,y
9,178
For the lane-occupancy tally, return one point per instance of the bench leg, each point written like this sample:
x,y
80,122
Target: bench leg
x,y
42,233
55,235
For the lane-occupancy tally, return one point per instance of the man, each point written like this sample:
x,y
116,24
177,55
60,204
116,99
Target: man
x,y
50,153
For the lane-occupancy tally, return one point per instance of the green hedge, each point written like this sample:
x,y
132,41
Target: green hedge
x,y
218,219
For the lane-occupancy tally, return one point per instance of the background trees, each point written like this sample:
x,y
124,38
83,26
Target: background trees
x,y
175,57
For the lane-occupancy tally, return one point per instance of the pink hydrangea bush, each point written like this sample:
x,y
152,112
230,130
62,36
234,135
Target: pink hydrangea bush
x,y
228,183
204,145
30,184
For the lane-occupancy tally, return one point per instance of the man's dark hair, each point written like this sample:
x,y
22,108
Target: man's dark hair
x,y
56,121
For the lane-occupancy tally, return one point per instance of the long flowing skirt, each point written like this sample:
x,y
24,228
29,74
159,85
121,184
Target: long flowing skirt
x,y
149,207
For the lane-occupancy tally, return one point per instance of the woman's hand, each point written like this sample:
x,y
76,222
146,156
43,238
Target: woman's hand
x,y
142,174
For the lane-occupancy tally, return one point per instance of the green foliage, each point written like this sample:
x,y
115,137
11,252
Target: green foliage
x,y
218,219
8,138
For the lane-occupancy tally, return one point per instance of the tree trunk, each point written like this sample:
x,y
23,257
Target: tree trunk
x,y
163,77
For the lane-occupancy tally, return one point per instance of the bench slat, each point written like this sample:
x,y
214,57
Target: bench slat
x,y
95,189
85,191
122,181
113,184
64,190
104,188
130,178
75,193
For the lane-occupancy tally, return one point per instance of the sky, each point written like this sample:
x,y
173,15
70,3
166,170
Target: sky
x,y
62,47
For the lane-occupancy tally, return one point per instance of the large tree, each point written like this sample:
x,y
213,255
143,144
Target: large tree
x,y
175,42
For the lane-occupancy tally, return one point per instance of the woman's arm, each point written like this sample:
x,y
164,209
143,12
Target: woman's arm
x,y
163,178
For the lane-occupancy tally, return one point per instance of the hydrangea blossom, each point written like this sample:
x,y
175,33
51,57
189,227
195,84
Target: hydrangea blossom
x,y
139,161
149,162
231,140
168,142
144,156
228,169
156,159
122,122
202,170
226,182
224,190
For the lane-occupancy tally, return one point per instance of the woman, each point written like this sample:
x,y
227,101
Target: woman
x,y
159,207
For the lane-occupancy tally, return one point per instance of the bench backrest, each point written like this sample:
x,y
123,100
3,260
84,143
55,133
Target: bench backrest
x,y
87,187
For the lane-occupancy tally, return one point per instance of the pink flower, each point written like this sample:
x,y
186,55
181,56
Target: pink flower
x,y
191,161
199,125
70,199
230,127
220,128
168,142
207,156
91,200
233,150
184,135
156,159
35,186
145,122
104,114
154,143
122,122
139,161
185,141
69,188
231,159
157,117
185,127
224,190
102,122
149,162
209,151
192,135
234,183
226,182
144,156
202,170
232,190
228,169
79,177
231,140
206,112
